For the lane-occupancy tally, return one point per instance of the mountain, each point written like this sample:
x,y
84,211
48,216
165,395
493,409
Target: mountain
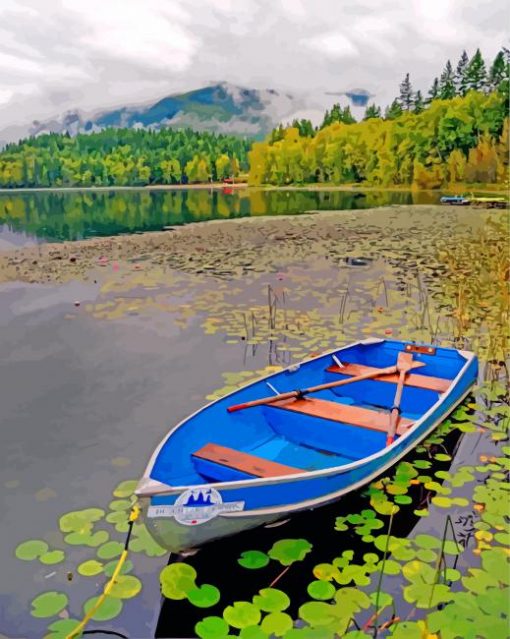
x,y
222,108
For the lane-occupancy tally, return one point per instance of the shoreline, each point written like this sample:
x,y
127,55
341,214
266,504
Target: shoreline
x,y
219,186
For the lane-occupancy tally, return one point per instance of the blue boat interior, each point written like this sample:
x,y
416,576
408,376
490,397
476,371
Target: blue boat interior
x,y
330,428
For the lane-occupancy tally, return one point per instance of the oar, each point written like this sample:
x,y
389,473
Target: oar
x,y
313,389
404,365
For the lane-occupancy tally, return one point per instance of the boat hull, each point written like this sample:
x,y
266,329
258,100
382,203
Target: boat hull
x,y
241,505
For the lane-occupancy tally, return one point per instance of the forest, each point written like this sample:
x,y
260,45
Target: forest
x,y
458,133
122,157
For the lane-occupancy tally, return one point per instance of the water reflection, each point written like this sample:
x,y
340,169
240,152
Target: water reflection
x,y
74,215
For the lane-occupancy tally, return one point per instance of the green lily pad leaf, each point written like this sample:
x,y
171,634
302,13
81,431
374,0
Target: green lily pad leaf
x,y
143,542
52,557
479,581
253,559
110,549
496,562
427,541
391,567
318,613
48,604
503,538
351,601
125,587
120,505
421,512
424,595
62,628
384,600
110,567
276,623
177,580
311,633
287,551
212,628
31,549
442,457
422,463
109,609
204,596
322,590
242,614
271,600
442,502
90,568
87,539
403,500
451,547
425,554
253,632
125,488
117,517
80,521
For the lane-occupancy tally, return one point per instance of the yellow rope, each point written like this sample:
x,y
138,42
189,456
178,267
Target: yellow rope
x,y
135,512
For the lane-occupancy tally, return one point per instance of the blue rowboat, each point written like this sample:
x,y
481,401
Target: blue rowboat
x,y
234,465
454,199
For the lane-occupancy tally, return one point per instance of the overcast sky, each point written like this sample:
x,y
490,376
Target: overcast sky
x,y
57,55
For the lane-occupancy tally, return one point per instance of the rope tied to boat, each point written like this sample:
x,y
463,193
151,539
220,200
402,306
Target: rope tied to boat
x,y
133,516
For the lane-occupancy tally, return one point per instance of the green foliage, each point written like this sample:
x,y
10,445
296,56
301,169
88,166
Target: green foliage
x,y
119,157
453,140
287,551
49,604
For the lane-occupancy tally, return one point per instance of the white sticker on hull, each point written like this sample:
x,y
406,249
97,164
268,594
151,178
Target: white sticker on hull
x,y
195,507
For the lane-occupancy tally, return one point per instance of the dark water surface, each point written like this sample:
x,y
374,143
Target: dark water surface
x,y
54,216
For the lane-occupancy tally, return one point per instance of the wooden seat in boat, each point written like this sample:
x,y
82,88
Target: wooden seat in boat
x,y
437,384
345,413
244,462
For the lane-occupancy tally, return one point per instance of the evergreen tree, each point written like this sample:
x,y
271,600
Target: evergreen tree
x,y
305,128
460,74
406,94
372,111
347,117
476,74
433,91
418,102
499,71
337,114
446,83
393,111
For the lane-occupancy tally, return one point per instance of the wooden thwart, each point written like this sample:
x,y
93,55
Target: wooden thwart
x,y
347,414
244,462
437,384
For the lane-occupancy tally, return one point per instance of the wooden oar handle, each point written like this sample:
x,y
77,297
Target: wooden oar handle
x,y
263,400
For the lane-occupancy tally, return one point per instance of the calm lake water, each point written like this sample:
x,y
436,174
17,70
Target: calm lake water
x,y
54,216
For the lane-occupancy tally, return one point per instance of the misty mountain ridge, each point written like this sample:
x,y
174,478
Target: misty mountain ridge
x,y
219,108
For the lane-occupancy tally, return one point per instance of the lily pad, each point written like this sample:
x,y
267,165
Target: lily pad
x,y
89,539
287,551
204,596
125,587
125,488
322,590
31,549
276,624
177,580
80,521
52,557
271,600
48,604
212,628
110,549
90,568
242,614
109,609
253,559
